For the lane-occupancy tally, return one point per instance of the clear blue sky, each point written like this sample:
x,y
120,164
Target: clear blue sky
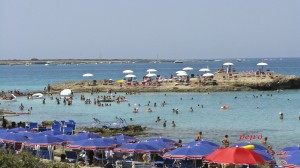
x,y
178,29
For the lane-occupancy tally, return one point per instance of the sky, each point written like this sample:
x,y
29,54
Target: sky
x,y
149,29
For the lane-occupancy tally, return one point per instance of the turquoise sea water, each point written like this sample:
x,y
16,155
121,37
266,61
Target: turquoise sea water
x,y
250,113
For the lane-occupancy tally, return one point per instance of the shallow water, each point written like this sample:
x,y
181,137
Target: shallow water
x,y
247,114
250,113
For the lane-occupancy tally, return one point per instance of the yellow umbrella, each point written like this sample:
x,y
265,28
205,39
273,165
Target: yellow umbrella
x,y
121,81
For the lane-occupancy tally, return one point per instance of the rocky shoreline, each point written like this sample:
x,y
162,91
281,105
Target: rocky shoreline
x,y
217,84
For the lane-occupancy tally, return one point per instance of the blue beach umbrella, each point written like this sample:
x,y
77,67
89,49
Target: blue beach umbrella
x,y
85,135
125,138
264,154
44,141
293,160
288,150
10,137
18,129
256,146
201,142
50,133
160,139
27,134
66,138
94,144
140,147
190,152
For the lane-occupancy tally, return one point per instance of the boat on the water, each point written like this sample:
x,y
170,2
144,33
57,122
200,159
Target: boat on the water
x,y
178,61
37,96
9,97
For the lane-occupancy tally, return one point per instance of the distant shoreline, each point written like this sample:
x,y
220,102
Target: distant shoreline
x,y
93,61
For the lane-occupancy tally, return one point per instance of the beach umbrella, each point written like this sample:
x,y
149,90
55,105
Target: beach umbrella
x,y
44,141
130,76
292,161
188,69
15,130
66,138
49,133
94,144
228,64
201,142
204,70
151,70
182,74
289,149
125,138
177,72
256,146
128,71
161,139
10,137
87,75
208,75
190,152
28,134
140,147
151,75
85,135
264,154
235,155
262,64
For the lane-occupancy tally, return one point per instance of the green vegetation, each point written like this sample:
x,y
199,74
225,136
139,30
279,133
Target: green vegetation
x,y
26,160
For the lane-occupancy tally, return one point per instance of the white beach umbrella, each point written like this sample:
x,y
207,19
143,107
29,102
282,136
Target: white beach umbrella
x,y
87,75
262,64
151,75
188,69
228,64
182,74
177,72
204,70
151,70
130,76
208,75
128,71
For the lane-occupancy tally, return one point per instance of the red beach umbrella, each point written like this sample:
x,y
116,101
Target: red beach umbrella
x,y
235,155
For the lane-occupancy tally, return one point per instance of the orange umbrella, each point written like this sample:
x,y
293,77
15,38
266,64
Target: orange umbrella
x,y
235,155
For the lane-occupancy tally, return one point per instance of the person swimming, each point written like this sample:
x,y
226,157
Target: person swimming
x,y
191,109
149,110
198,136
281,115
173,124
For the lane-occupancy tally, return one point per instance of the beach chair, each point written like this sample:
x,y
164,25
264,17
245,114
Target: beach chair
x,y
72,121
44,154
72,156
56,127
68,130
33,126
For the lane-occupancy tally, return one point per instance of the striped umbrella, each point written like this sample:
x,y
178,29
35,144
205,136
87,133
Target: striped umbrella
x,y
94,144
190,152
